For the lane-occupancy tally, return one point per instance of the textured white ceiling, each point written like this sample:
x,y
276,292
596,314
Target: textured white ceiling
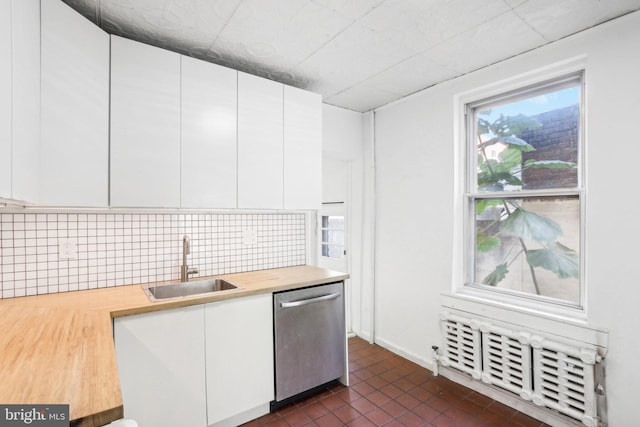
x,y
359,54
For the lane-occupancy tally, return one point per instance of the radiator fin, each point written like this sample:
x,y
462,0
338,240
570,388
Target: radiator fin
x,y
462,341
506,359
564,380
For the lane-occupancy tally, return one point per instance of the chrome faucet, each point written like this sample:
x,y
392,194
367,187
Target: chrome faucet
x,y
185,271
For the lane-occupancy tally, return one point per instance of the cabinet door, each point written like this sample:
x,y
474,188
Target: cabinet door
x,y
145,125
74,148
162,367
25,140
209,123
260,145
239,348
302,149
5,99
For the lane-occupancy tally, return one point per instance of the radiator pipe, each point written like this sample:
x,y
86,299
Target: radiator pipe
x,y
436,359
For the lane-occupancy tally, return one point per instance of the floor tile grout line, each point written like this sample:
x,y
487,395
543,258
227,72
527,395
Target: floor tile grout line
x,y
374,369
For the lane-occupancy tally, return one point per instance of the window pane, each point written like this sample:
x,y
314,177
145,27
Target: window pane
x,y
333,237
531,143
529,245
333,222
333,251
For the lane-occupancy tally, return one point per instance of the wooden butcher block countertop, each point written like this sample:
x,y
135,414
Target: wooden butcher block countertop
x,y
58,348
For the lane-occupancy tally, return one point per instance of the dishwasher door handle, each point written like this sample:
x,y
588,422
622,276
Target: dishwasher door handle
x,y
309,301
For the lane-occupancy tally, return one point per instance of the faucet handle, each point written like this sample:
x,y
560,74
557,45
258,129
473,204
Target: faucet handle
x,y
192,270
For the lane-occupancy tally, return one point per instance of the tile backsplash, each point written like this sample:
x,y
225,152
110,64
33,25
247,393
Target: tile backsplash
x,y
113,249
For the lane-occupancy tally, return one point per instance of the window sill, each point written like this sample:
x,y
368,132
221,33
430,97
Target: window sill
x,y
556,320
565,313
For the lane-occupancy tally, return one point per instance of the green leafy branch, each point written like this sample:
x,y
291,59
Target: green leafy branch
x,y
515,221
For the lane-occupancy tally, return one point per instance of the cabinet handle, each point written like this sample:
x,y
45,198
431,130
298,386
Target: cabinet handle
x,y
309,301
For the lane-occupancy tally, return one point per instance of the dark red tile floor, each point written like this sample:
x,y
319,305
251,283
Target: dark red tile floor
x,y
387,390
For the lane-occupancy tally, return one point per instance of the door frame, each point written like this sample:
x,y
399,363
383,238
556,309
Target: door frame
x,y
344,265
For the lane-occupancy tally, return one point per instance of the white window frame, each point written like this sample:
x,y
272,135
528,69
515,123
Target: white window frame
x,y
464,256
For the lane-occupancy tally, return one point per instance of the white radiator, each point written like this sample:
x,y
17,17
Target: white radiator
x,y
551,374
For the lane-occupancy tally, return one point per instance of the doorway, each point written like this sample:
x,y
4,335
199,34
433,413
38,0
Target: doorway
x,y
333,237
333,252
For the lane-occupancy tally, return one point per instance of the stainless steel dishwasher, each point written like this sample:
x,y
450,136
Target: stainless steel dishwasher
x,y
310,339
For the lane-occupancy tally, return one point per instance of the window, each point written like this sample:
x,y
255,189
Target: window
x,y
524,196
333,237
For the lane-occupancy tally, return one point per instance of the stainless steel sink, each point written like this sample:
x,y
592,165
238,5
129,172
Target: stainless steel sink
x,y
185,289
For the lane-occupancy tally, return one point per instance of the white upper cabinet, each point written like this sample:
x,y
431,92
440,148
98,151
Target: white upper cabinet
x,y
20,107
92,120
145,125
5,99
208,126
260,143
302,149
279,145
74,152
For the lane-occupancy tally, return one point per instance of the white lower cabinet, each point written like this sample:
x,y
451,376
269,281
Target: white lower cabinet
x,y
239,341
204,365
161,363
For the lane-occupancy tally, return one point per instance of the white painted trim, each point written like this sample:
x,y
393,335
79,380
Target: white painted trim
x,y
365,336
374,224
311,219
344,379
462,225
368,241
530,78
18,209
425,363
579,332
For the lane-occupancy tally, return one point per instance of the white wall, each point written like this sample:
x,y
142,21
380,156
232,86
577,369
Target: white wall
x,y
341,133
418,202
347,173
414,220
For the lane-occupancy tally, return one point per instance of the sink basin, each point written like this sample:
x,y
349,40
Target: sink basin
x,y
185,289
